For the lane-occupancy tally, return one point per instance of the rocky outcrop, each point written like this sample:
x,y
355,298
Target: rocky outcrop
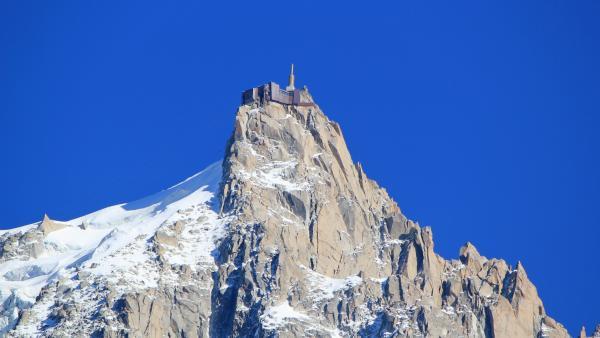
x,y
47,225
298,241
310,220
595,334
21,246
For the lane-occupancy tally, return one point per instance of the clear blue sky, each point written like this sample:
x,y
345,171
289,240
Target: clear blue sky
x,y
481,118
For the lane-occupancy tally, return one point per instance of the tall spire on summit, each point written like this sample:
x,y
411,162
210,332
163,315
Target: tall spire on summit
x,y
292,79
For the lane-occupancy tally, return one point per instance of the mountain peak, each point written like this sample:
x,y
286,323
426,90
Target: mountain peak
x,y
286,236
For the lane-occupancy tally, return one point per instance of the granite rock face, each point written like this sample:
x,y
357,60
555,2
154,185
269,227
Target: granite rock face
x,y
296,241
318,247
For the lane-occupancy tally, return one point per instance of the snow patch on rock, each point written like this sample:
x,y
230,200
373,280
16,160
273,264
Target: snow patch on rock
x,y
324,288
113,245
280,315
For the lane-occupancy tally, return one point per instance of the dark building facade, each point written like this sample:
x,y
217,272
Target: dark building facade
x,y
273,93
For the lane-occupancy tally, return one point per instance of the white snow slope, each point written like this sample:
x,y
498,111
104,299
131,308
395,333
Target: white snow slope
x,y
115,237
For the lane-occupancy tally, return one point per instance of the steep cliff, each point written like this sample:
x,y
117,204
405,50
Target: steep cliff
x,y
318,247
286,237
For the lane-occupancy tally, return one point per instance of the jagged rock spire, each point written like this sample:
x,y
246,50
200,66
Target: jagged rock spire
x,y
309,219
47,225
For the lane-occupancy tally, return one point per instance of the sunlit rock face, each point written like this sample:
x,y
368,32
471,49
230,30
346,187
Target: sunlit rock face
x,y
318,247
287,236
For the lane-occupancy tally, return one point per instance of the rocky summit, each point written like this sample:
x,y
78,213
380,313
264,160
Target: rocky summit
x,y
285,237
